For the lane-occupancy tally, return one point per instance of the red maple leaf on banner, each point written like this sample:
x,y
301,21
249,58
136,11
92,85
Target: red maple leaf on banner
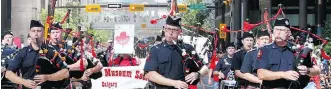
x,y
122,39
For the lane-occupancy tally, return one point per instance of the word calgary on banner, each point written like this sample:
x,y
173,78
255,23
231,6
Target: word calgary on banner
x,y
120,78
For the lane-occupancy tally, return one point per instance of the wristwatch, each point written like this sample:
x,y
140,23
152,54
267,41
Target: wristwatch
x,y
198,74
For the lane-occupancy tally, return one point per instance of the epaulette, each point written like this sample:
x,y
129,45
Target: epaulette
x,y
268,44
157,46
252,49
238,50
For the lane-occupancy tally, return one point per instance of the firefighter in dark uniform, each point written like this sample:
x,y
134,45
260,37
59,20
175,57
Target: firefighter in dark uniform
x,y
164,67
238,58
25,61
276,63
248,66
55,44
8,51
223,66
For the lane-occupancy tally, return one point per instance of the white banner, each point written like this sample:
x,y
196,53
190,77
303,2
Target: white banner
x,y
120,78
124,38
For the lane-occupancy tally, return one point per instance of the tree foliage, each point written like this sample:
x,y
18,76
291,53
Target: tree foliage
x,y
327,30
197,17
101,35
327,48
76,18
327,33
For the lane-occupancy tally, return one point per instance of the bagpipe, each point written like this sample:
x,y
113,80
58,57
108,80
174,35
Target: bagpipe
x,y
191,60
206,46
52,59
81,54
248,27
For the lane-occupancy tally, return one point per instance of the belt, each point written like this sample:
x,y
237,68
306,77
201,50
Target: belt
x,y
246,83
253,84
67,87
264,87
253,87
157,86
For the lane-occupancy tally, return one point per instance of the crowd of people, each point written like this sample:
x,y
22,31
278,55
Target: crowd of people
x,y
264,61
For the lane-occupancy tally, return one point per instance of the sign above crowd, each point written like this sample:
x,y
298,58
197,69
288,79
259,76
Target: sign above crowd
x,y
124,38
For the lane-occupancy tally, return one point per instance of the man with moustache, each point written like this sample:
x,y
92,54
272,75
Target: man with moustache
x,y
164,66
276,64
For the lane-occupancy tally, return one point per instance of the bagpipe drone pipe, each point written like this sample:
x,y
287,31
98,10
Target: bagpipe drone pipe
x,y
303,55
81,54
191,60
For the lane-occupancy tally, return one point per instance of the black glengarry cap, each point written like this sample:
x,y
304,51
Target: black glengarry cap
x,y
173,21
35,23
247,35
282,22
262,33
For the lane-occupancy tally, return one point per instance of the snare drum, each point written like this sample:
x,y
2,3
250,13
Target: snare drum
x,y
228,84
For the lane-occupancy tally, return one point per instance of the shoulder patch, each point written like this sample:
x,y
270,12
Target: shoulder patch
x,y
259,55
148,56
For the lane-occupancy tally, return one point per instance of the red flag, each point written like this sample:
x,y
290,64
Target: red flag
x,y
248,27
324,55
212,61
226,30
